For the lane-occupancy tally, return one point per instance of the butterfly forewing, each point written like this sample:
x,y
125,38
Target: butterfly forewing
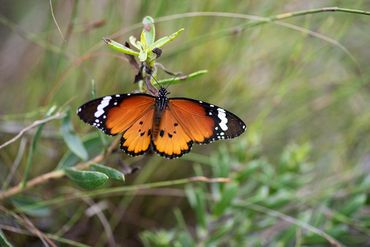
x,y
185,121
114,114
205,122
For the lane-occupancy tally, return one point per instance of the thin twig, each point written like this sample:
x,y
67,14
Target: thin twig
x,y
126,189
16,163
56,174
51,236
103,220
58,115
30,226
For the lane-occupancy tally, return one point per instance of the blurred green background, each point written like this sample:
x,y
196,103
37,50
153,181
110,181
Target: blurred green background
x,y
299,174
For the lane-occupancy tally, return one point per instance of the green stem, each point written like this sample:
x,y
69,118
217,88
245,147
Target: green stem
x,y
125,189
178,79
315,11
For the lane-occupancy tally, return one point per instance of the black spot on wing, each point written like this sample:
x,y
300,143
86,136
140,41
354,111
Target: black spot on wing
x,y
161,133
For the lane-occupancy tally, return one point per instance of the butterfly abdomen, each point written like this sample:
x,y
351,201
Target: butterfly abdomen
x,y
161,103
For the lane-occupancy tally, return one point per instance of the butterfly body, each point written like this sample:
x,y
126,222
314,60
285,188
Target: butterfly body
x,y
168,126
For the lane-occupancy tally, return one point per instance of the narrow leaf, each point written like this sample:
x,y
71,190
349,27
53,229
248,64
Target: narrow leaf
x,y
33,147
226,198
30,206
93,146
182,78
121,48
110,172
87,179
142,56
164,40
3,241
149,30
73,142
134,42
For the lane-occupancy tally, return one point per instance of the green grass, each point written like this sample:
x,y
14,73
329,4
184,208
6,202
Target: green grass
x,y
298,176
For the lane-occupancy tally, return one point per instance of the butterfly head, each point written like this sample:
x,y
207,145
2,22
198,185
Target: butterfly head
x,y
162,99
163,92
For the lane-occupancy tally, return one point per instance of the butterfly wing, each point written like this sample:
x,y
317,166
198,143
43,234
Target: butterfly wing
x,y
185,121
136,140
114,114
128,114
171,141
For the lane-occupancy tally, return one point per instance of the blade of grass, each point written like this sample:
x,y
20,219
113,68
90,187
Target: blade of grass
x,y
289,219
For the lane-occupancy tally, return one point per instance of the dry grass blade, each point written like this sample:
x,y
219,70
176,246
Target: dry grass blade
x,y
58,115
294,221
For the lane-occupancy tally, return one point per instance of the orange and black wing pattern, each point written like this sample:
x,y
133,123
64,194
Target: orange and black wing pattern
x,y
182,122
186,121
128,114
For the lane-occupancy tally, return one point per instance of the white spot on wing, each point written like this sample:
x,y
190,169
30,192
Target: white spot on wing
x,y
104,103
222,116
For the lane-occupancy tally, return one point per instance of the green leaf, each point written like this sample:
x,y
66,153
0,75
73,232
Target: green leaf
x,y
110,172
121,48
148,31
353,205
93,146
73,142
164,40
142,56
197,201
227,196
32,150
87,179
30,206
3,241
134,42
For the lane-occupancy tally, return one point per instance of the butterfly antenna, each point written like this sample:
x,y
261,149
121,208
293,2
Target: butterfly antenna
x,y
155,80
159,85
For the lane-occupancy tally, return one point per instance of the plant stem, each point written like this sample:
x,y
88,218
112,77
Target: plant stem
x,y
126,189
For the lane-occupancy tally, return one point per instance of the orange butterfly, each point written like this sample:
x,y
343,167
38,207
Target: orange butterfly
x,y
167,125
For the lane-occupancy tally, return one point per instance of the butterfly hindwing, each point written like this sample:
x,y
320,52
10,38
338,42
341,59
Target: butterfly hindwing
x,y
136,139
114,114
171,140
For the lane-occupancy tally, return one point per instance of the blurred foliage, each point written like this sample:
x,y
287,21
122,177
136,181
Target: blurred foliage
x,y
299,175
269,204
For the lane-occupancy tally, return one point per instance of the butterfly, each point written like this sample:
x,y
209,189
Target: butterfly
x,y
168,126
